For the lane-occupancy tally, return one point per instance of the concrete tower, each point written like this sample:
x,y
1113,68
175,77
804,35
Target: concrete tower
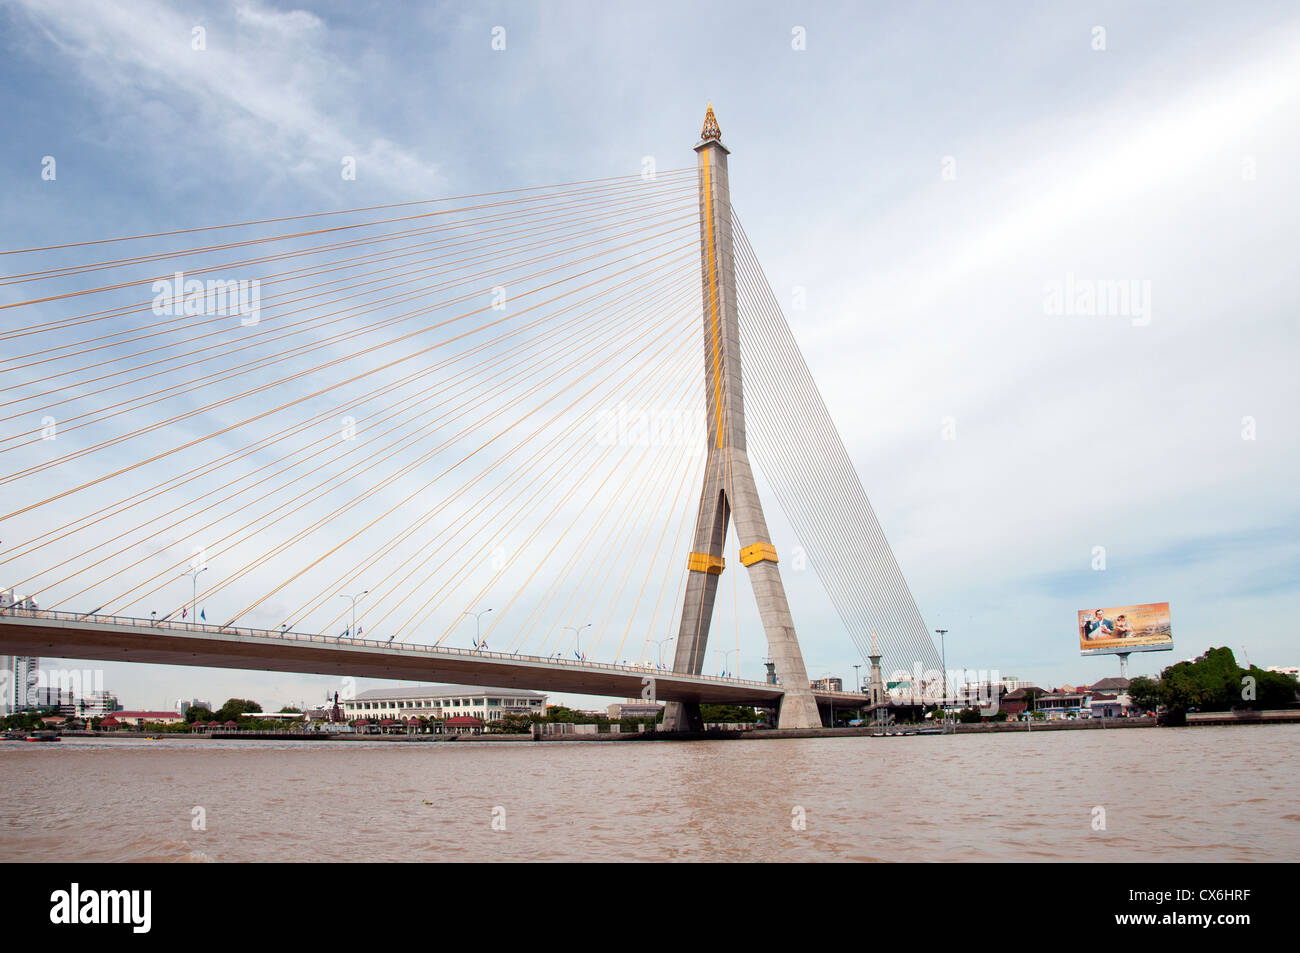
x,y
728,480
877,690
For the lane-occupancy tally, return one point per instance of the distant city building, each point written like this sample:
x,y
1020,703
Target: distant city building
x,y
183,705
56,699
443,701
634,708
827,685
19,677
1292,670
96,705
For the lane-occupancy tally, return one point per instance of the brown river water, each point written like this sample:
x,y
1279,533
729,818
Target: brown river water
x,y
1215,794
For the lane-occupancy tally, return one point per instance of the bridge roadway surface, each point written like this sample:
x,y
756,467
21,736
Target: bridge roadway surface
x,y
68,635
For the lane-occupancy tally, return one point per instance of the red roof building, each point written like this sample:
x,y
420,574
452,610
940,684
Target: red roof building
x,y
463,724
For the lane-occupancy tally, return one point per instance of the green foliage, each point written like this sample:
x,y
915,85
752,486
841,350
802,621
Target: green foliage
x,y
512,724
198,713
1145,692
1214,682
970,716
727,714
23,721
234,708
1273,689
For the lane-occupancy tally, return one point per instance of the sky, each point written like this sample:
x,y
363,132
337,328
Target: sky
x,y
917,180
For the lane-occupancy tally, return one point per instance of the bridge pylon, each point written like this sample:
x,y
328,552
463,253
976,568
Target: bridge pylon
x,y
729,489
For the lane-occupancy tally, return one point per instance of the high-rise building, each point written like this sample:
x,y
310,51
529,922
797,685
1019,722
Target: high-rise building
x,y
18,683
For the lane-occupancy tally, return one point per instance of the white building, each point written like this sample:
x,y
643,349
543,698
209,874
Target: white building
x,y
443,701
19,677
96,705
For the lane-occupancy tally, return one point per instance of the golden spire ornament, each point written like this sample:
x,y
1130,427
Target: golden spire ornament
x,y
710,130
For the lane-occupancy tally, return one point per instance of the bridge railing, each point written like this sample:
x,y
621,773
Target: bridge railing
x,y
286,635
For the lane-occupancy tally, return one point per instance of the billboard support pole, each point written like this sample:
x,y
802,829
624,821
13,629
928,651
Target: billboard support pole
x,y
1123,664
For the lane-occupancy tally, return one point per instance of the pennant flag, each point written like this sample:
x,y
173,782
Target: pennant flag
x,y
203,614
184,612
359,629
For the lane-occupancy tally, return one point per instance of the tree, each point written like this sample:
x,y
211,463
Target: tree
x,y
234,708
1213,682
1145,692
513,723
728,714
198,713
1273,689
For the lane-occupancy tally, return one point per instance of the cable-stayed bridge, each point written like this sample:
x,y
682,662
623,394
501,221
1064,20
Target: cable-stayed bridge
x,y
352,438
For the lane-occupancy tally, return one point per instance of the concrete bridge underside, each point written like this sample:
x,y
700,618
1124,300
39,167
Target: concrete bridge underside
x,y
255,650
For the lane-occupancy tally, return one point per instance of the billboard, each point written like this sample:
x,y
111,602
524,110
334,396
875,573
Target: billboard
x,y
1144,628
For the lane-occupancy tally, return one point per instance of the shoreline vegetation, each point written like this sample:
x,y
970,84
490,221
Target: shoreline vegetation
x,y
1211,689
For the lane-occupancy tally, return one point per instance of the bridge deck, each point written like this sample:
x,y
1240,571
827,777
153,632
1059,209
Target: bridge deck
x,y
117,639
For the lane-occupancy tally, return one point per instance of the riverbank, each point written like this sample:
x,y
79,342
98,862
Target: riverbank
x,y
1289,716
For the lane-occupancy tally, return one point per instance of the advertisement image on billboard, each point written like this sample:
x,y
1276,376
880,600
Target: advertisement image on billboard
x,y
1121,629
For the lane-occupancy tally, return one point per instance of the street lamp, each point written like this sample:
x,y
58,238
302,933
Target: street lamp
x,y
724,658
944,662
352,629
194,588
661,643
477,627
577,637
857,678
826,678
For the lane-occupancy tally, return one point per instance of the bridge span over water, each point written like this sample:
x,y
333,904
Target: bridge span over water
x,y
119,639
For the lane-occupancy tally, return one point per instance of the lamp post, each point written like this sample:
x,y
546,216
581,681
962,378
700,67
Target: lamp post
x,y
661,643
857,679
943,656
194,588
352,629
478,642
577,637
725,655
826,679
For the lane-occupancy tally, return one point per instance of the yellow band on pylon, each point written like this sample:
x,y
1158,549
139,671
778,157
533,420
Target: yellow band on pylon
x,y
757,553
703,562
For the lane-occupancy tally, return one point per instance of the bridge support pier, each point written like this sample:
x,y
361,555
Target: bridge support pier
x,y
728,479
